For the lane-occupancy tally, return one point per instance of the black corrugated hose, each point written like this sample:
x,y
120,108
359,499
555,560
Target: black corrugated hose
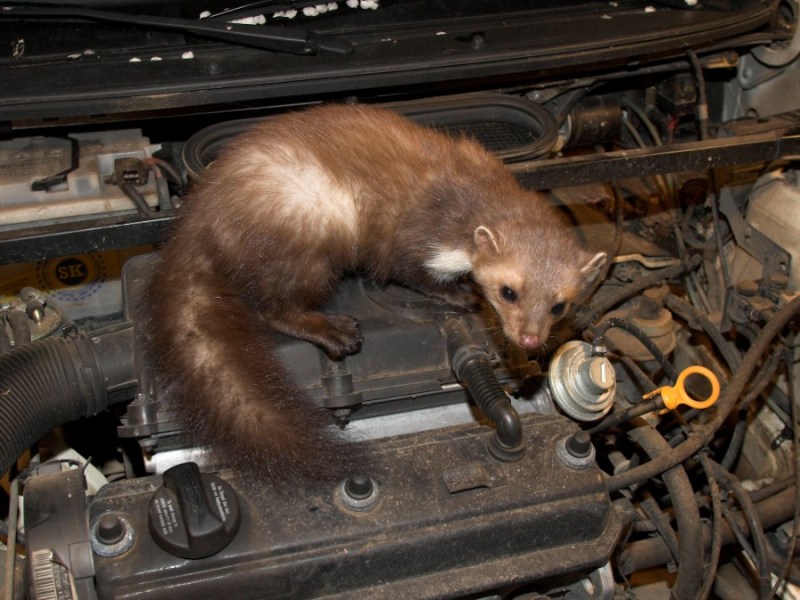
x,y
472,368
52,381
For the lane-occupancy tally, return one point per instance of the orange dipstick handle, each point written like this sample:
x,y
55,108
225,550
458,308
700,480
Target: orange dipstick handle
x,y
672,396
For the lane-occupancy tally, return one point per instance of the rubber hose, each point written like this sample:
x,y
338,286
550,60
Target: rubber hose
x,y
687,516
472,368
652,552
56,380
479,378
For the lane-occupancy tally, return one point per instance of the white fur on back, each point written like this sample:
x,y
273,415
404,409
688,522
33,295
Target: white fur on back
x,y
448,263
308,194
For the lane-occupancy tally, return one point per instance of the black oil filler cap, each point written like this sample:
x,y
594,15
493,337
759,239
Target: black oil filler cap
x,y
193,514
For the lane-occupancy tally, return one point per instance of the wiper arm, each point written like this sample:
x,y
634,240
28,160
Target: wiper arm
x,y
264,37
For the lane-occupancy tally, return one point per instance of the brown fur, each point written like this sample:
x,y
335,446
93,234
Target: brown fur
x,y
289,208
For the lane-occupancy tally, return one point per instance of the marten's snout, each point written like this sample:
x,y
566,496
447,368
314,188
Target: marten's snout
x,y
525,333
529,329
529,342
521,328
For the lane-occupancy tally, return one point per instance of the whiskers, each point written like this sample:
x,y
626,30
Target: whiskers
x,y
563,331
546,348
494,331
555,337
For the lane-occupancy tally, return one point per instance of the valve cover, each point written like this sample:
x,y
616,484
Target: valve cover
x,y
433,515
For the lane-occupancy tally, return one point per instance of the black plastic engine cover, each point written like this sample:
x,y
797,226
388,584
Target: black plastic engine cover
x,y
402,365
445,519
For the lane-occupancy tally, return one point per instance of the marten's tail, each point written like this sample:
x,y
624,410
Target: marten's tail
x,y
217,367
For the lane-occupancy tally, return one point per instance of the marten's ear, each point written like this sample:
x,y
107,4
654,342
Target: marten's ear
x,y
485,240
592,269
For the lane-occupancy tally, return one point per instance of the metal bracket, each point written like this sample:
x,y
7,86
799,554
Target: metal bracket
x,y
774,258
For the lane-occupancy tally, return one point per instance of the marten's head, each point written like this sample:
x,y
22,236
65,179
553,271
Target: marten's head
x,y
531,275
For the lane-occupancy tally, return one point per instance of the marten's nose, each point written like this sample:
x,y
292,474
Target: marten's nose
x,y
529,341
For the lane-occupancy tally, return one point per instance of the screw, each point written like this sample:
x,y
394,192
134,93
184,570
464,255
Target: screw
x,y
579,444
110,529
358,486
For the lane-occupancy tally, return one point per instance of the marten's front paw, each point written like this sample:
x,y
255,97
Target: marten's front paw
x,y
343,336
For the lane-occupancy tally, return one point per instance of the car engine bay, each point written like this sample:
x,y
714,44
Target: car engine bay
x,y
651,451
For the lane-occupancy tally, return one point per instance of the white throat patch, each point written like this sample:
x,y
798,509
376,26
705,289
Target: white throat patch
x,y
446,264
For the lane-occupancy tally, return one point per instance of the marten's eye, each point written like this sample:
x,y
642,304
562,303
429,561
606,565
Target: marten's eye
x,y
508,294
558,308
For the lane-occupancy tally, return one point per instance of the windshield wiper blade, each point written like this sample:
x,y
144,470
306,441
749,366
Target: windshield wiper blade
x,y
263,37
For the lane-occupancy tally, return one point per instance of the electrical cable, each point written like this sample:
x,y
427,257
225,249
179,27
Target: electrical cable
x,y
697,320
12,539
702,98
760,382
764,377
667,180
643,379
732,484
651,552
619,219
703,130
695,291
646,121
661,523
136,197
600,305
167,167
623,416
757,349
726,270
642,337
716,527
794,396
660,181
741,540
772,489
736,442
